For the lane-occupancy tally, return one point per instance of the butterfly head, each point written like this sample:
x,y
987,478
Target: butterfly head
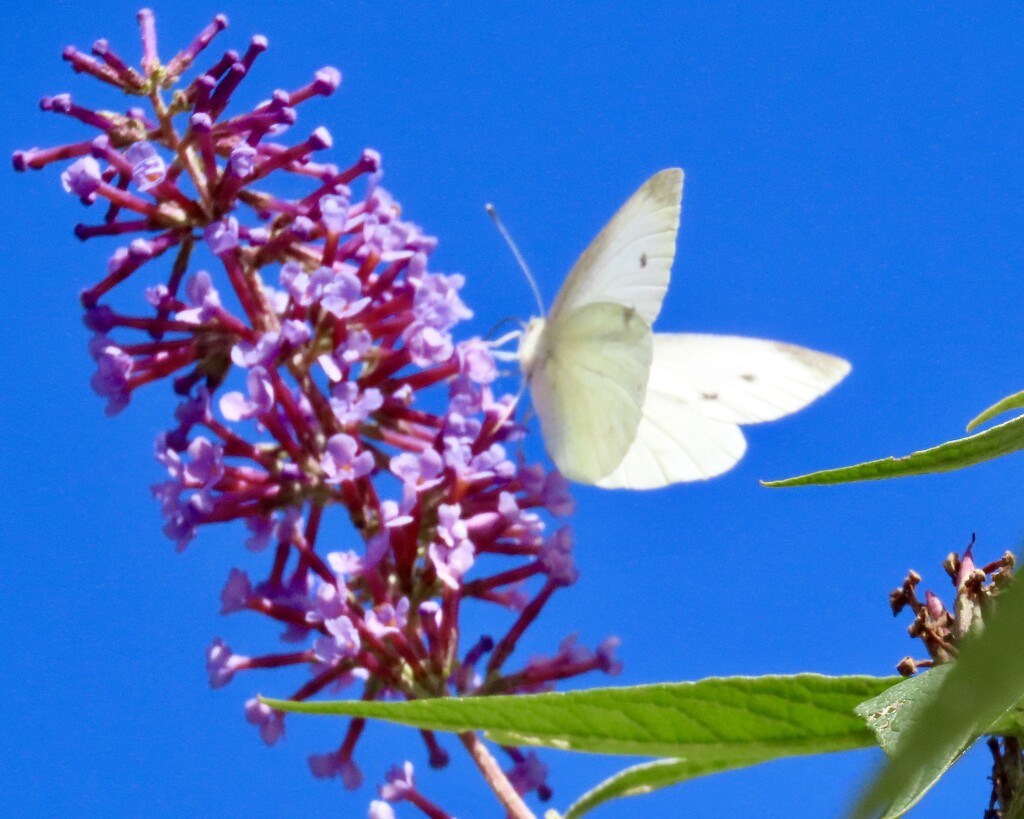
x,y
529,343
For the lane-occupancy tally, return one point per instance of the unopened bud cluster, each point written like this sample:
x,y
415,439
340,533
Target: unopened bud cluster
x,y
941,629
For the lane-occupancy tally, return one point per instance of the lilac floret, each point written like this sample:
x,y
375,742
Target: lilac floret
x,y
388,619
609,663
262,353
352,407
236,407
82,178
528,774
380,810
351,777
330,601
451,564
334,212
206,463
437,303
345,564
556,557
422,470
262,528
182,520
342,463
427,345
236,593
341,643
242,160
222,236
476,361
148,167
355,347
296,332
400,783
221,663
325,766
341,292
204,297
394,514
376,548
110,381
556,497
269,721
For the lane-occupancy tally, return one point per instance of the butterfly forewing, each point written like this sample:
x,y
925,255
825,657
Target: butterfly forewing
x,y
588,380
630,260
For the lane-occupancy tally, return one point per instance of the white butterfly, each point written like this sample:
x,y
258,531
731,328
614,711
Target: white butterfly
x,y
623,407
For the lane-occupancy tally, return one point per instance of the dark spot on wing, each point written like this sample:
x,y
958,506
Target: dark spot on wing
x,y
709,396
643,260
747,377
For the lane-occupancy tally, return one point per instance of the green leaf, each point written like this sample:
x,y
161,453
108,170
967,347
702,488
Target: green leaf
x,y
1010,724
894,712
707,726
642,779
971,699
740,717
983,446
1011,402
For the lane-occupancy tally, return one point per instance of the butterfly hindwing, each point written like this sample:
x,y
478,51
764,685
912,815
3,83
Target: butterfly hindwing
x,y
743,380
702,386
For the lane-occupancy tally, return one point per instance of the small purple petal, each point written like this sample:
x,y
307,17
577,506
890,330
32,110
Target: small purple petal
x,y
242,160
222,236
528,774
110,381
262,529
269,721
262,353
476,361
400,783
324,766
334,212
345,564
557,560
427,345
221,663
82,178
380,810
341,463
236,592
148,168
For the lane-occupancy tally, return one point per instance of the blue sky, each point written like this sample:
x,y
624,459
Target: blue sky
x,y
853,185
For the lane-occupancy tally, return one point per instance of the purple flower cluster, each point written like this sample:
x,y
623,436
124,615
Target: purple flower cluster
x,y
320,375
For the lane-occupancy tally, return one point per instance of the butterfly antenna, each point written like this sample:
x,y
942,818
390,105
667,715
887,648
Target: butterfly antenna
x,y
519,256
505,321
